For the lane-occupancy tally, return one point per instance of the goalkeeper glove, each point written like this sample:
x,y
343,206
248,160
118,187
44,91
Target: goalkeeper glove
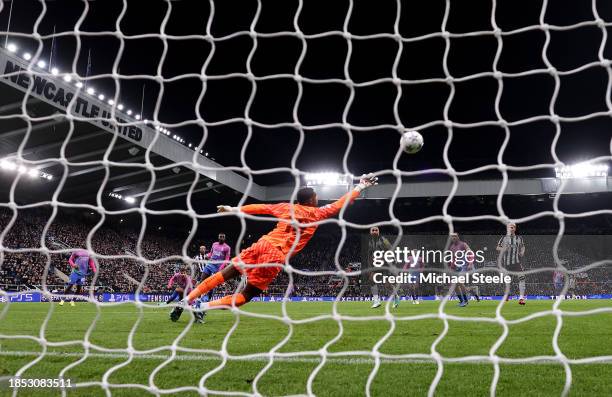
x,y
226,208
366,181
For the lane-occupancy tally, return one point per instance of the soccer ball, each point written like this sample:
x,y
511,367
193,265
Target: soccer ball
x,y
411,141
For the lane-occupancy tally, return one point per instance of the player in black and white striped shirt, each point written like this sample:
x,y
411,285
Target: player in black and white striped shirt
x,y
201,259
511,250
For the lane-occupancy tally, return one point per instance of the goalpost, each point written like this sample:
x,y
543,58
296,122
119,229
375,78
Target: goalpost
x,y
76,101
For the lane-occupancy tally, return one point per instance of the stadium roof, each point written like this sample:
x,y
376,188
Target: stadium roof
x,y
35,126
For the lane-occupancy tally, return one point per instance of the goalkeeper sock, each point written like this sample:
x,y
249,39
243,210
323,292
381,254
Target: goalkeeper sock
x,y
229,300
206,285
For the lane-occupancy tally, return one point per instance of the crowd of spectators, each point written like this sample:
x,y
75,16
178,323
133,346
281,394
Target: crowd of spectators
x,y
24,263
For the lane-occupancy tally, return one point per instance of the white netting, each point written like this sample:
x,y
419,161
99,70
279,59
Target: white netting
x,y
323,355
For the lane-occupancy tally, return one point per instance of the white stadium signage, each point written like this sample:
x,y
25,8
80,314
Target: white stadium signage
x,y
62,95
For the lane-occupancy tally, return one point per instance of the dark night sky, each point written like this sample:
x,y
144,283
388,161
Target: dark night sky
x,y
373,149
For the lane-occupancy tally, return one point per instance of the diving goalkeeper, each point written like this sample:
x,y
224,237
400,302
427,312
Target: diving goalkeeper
x,y
268,255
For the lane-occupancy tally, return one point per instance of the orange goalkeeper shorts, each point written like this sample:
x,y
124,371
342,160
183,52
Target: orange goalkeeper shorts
x,y
261,253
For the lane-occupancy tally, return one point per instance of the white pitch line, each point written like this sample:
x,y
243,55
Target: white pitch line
x,y
331,360
206,357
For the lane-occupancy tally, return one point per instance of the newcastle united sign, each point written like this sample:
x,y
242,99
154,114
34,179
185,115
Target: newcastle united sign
x,y
61,94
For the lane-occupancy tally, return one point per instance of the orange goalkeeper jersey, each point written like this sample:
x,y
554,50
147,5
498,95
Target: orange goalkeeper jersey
x,y
284,234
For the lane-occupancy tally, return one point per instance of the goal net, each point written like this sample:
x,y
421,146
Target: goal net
x,y
124,126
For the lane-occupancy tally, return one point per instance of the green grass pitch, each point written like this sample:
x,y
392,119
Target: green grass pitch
x,y
120,326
